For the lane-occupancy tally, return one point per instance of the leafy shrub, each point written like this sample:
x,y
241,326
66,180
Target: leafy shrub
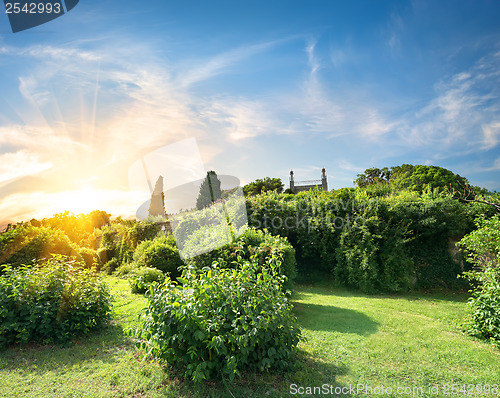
x,y
124,270
141,278
160,253
108,246
26,244
55,300
219,321
111,266
89,256
483,250
135,232
373,256
79,228
261,245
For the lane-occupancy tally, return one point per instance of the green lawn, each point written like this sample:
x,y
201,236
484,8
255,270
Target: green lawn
x,y
352,339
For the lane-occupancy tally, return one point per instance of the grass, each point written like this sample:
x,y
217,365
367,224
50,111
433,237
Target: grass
x,y
352,339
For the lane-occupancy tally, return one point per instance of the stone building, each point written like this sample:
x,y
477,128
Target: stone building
x,y
299,186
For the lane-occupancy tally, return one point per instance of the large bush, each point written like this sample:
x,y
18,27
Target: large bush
x,y
220,322
483,250
54,300
25,244
160,253
141,278
79,228
372,253
259,244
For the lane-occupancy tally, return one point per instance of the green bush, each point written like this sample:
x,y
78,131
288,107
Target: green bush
x,y
25,244
141,278
134,232
219,322
262,245
483,250
55,300
89,256
160,253
373,255
110,266
124,270
370,241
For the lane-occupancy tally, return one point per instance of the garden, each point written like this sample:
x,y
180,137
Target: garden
x,y
381,290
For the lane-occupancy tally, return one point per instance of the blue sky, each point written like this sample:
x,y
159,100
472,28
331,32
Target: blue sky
x,y
263,86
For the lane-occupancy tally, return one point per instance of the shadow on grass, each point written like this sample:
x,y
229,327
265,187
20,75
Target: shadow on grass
x,y
306,371
334,319
102,345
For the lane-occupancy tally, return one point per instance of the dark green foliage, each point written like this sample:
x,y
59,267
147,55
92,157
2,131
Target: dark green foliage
x,y
55,300
160,253
141,278
210,191
372,254
419,177
26,244
261,245
407,176
483,250
124,252
118,241
89,256
370,241
220,322
110,266
263,185
134,232
373,176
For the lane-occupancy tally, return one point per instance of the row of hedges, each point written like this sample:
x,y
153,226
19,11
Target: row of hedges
x,y
373,243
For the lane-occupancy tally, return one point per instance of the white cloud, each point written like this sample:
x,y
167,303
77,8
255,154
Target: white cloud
x,y
20,164
491,135
464,114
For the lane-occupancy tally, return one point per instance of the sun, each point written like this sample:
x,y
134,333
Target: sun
x,y
83,200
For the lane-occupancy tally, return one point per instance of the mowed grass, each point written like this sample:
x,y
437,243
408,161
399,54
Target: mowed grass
x,y
352,340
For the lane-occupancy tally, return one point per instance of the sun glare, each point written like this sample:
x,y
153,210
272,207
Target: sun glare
x,y
83,200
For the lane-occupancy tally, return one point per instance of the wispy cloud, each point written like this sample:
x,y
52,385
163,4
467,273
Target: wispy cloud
x,y
464,114
491,135
211,67
395,27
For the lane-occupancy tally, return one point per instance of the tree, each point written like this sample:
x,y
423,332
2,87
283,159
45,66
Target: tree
x,y
263,185
373,176
411,177
419,177
467,194
209,191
